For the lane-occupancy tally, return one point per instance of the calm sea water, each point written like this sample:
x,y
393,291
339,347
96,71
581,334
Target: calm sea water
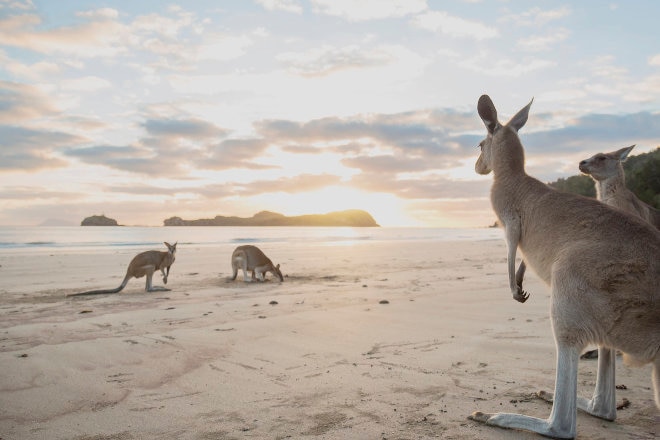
x,y
65,238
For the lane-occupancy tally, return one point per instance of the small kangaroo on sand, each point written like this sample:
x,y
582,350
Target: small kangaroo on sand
x,y
602,267
250,257
607,171
144,263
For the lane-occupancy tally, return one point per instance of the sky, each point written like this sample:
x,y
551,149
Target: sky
x,y
144,110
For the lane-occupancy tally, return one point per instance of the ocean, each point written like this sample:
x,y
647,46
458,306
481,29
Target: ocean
x,y
78,238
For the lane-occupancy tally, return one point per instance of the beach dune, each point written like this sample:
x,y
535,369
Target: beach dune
x,y
363,340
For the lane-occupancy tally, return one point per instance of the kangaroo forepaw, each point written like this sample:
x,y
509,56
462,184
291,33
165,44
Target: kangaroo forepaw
x,y
520,295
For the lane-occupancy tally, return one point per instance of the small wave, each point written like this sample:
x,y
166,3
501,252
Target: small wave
x,y
244,240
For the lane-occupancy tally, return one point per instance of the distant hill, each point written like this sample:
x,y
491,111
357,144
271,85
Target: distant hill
x,y
354,217
99,220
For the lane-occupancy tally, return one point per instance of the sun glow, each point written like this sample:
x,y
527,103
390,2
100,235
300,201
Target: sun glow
x,y
386,209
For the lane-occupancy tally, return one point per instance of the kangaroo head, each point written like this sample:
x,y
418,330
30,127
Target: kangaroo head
x,y
171,249
499,145
277,273
603,166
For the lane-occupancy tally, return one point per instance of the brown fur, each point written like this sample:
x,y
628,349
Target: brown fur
x,y
607,171
251,258
144,264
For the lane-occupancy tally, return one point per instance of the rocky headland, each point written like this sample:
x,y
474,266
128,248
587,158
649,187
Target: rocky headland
x,y
99,220
353,217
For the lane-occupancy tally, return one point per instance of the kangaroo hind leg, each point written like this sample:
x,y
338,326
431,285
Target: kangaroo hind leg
x,y
562,422
149,287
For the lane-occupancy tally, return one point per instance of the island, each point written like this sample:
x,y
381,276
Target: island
x,y
99,220
352,217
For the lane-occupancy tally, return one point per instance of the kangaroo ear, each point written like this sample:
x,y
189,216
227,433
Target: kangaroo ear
x,y
520,118
487,113
622,154
277,267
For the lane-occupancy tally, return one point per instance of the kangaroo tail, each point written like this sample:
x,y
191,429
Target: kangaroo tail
x,y
102,291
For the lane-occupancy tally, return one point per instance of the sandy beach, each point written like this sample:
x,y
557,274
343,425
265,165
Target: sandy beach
x,y
364,340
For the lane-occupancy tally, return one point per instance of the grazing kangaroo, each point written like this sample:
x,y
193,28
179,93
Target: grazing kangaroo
x,y
250,257
601,264
607,171
145,263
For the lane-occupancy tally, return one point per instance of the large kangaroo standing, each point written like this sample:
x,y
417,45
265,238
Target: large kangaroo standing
x,y
145,263
601,264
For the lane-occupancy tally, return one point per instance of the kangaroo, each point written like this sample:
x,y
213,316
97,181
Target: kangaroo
x,y
144,263
607,171
250,257
602,267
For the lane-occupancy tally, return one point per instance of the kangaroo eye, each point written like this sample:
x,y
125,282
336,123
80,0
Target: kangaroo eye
x,y
481,145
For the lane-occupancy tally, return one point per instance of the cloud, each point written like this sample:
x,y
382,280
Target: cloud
x,y
505,67
390,164
92,39
28,72
85,84
296,184
410,133
329,59
175,147
537,43
17,4
23,102
171,148
442,22
103,35
130,158
292,6
427,187
145,190
538,17
183,128
597,131
224,47
233,153
33,193
103,14
364,10
27,149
